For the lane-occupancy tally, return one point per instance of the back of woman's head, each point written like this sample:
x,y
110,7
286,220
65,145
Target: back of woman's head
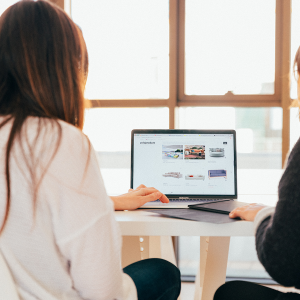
x,y
43,63
43,69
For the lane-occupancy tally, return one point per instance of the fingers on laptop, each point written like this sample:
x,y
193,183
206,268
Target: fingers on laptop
x,y
152,194
138,188
164,198
157,195
151,197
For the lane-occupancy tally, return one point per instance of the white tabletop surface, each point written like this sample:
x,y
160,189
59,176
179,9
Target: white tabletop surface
x,y
149,224
140,222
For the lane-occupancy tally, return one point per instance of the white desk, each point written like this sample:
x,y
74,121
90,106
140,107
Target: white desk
x,y
156,231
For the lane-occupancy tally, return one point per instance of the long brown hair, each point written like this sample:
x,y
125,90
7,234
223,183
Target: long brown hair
x,y
43,70
296,102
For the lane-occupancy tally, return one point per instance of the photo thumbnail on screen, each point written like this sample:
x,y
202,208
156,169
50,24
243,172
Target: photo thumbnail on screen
x,y
194,152
172,151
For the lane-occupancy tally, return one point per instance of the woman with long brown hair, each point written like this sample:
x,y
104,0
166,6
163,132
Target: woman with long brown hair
x,y
58,233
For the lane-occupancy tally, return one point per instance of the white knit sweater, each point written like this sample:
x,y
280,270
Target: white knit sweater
x,y
70,247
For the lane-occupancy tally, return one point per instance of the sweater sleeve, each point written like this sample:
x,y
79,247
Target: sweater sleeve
x,y
262,215
277,235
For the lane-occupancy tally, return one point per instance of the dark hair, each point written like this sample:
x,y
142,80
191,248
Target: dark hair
x,y
296,102
43,70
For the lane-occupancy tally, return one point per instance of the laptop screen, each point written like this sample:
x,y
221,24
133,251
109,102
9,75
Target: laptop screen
x,y
185,162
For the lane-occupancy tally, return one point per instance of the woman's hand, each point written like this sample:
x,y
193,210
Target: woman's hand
x,y
138,197
247,212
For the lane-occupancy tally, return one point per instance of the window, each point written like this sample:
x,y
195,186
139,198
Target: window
x,y
192,64
229,47
258,131
295,42
128,45
218,63
4,4
242,258
258,147
109,130
294,126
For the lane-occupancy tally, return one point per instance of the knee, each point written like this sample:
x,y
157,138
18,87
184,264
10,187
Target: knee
x,y
156,278
227,290
156,267
167,269
170,275
164,268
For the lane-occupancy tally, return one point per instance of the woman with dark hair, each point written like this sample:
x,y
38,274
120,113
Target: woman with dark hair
x,y
58,234
277,233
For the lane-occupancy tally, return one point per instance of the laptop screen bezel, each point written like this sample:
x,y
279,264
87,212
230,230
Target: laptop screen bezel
x,y
187,131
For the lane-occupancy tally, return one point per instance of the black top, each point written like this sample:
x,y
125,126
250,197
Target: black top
x,y
278,237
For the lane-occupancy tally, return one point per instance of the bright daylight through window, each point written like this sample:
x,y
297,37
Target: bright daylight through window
x,y
229,46
128,44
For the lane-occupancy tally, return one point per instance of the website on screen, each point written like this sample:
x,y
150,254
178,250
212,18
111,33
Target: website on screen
x,y
189,164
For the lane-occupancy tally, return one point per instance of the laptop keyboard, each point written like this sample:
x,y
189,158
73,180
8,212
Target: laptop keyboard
x,y
176,200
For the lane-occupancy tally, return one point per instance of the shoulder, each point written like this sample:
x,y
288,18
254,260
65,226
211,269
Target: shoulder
x,y
294,154
50,126
73,139
54,135
71,132
58,148
289,182
73,148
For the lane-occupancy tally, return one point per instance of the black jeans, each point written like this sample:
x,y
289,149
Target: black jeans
x,y
155,279
243,290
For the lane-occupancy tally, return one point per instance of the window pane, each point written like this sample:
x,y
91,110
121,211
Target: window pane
x,y
294,126
242,257
229,46
258,146
295,43
4,4
258,131
128,45
109,130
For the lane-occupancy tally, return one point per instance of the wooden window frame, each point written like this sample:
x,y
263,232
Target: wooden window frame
x,y
177,98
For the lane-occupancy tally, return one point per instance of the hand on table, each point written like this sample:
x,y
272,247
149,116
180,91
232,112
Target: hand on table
x,y
138,197
247,212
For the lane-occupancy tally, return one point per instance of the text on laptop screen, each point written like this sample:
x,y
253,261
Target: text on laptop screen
x,y
180,164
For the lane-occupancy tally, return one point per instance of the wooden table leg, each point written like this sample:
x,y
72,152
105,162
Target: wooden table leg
x,y
201,269
162,247
212,267
136,248
131,251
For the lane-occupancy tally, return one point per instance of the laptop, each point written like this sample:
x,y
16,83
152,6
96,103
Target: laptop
x,y
188,166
